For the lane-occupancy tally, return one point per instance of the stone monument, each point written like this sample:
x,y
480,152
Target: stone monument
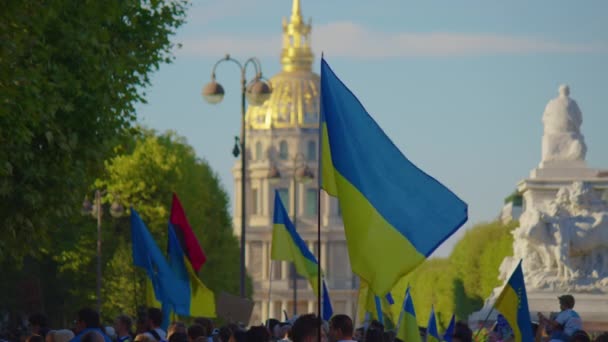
x,y
562,239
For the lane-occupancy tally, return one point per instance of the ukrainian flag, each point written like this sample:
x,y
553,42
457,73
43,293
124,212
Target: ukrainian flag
x,y
513,304
395,215
432,335
163,284
447,335
378,308
408,327
287,245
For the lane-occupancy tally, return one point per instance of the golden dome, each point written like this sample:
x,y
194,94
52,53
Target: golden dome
x,y
294,101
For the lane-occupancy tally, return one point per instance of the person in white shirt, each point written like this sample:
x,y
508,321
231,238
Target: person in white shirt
x,y
341,329
155,319
566,323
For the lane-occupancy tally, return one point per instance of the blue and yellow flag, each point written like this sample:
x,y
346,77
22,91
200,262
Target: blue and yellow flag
x,y
166,287
287,245
512,303
408,326
447,335
432,335
395,215
327,310
201,301
376,307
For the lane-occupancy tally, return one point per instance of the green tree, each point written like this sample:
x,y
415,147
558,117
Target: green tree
x,y
460,283
70,75
145,179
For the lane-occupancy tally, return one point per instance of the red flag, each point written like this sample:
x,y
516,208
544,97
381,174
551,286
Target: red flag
x,y
188,240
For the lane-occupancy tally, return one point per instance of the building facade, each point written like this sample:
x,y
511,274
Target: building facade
x,y
282,149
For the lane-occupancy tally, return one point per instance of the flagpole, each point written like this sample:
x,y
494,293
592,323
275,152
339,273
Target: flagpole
x,y
319,173
269,294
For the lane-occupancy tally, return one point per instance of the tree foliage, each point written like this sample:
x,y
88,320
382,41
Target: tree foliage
x,y
70,75
144,175
145,179
460,283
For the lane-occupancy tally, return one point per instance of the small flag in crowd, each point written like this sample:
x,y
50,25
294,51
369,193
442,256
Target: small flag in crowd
x,y
512,303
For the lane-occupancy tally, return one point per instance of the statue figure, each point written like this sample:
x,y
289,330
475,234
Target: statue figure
x,y
562,139
565,243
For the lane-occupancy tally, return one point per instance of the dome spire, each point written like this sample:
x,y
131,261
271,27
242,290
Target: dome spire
x,y
296,11
296,54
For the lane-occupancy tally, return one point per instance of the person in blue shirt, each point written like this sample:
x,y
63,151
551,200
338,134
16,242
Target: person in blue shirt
x,y
567,321
88,320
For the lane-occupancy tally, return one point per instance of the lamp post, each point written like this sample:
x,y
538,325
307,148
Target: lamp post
x,y
256,93
96,210
300,173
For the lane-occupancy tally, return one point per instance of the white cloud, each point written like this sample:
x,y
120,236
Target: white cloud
x,y
347,39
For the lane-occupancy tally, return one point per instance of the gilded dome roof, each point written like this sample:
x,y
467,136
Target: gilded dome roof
x,y
294,101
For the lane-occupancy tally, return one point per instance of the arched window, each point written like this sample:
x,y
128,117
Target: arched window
x,y
283,150
311,151
258,151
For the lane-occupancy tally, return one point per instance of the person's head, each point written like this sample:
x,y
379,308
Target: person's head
x,y
205,323
566,302
63,335
580,336
143,338
37,321
462,332
375,324
271,324
258,334
225,334
35,338
359,333
341,328
87,318
602,338
92,336
177,327
155,318
306,328
178,337
123,325
240,335
374,335
195,331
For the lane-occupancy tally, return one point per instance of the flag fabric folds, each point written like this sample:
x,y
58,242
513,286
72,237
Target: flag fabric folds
x,y
327,310
447,336
512,303
379,313
395,215
186,235
201,301
432,335
287,245
166,287
408,327
367,303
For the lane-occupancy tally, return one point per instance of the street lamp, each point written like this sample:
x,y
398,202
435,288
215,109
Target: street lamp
x,y
95,209
256,93
301,173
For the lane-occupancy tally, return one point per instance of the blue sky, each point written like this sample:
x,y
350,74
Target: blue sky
x,y
459,86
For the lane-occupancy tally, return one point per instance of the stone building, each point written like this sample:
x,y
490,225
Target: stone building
x,y
282,140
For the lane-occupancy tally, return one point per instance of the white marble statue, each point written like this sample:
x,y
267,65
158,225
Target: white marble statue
x,y
564,245
562,138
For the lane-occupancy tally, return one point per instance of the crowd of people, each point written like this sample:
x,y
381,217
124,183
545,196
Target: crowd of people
x,y
566,326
